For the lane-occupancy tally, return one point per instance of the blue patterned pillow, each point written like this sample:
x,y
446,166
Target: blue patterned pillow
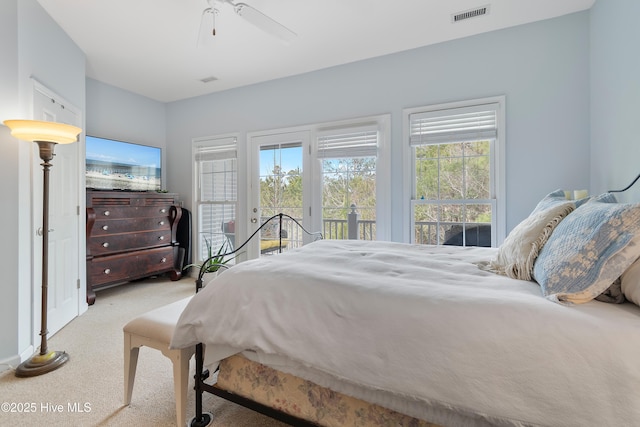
x,y
588,251
606,198
560,195
550,200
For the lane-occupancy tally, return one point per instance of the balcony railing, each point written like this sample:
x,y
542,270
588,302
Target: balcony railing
x,y
339,229
426,232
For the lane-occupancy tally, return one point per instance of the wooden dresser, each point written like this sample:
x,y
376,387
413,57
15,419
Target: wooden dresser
x,y
130,236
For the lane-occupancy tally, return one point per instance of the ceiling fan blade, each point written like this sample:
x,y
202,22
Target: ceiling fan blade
x,y
264,22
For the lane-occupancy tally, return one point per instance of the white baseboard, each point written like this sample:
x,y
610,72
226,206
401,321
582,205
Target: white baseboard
x,y
29,351
11,362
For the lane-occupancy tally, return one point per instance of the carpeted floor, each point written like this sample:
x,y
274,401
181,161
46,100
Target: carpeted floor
x,y
88,390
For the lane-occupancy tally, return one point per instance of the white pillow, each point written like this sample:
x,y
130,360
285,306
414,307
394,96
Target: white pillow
x,y
631,283
517,254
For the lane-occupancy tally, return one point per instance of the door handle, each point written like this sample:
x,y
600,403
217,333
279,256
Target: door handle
x,y
40,231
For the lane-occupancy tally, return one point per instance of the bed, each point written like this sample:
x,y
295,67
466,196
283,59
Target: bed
x,y
381,333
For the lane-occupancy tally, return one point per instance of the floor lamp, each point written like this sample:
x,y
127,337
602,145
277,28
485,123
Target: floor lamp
x,y
46,135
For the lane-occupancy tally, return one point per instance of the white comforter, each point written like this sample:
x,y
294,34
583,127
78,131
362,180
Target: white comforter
x,y
426,323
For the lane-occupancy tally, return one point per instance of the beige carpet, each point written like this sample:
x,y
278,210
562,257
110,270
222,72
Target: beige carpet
x,y
89,388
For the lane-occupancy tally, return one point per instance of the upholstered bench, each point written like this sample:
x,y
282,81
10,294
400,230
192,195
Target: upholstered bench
x,y
154,329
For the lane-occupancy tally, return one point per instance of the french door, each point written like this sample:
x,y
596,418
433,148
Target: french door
x,y
278,184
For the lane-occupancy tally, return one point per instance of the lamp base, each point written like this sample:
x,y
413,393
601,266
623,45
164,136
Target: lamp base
x,y
41,364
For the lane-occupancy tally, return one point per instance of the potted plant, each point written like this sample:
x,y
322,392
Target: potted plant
x,y
214,261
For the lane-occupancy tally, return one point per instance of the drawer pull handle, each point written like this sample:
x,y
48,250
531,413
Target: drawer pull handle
x,y
163,260
105,227
161,238
163,210
107,213
107,271
105,245
161,223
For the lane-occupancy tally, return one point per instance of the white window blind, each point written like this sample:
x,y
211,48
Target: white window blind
x,y
454,125
219,149
216,160
361,141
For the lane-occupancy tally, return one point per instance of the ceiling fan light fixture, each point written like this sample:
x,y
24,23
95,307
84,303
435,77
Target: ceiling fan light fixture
x,y
207,27
249,13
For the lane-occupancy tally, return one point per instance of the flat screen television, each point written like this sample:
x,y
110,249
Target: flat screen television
x,y
119,165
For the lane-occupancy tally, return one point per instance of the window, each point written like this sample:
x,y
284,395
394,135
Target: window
x,y
348,160
216,200
455,173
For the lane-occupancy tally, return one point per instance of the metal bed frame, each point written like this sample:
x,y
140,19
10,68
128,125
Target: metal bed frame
x,y
202,419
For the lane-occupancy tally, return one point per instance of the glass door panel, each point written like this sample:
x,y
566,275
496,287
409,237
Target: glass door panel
x,y
278,187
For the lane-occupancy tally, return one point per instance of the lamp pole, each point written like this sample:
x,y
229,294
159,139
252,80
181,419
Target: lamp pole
x,y
46,154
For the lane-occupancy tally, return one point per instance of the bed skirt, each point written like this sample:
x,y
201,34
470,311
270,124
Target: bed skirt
x,y
304,399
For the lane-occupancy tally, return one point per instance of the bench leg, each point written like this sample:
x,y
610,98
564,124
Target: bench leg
x,y
130,365
180,359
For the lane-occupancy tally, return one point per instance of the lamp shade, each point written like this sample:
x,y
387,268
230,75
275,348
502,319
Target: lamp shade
x,y
35,130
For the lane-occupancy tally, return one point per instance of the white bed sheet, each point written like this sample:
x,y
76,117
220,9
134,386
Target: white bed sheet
x,y
426,325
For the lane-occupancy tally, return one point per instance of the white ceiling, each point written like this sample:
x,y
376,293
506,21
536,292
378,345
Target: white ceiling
x,y
150,47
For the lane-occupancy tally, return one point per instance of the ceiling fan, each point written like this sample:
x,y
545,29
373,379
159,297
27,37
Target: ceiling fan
x,y
251,14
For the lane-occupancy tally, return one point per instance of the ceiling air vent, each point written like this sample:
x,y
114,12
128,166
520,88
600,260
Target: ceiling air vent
x,y
209,79
471,13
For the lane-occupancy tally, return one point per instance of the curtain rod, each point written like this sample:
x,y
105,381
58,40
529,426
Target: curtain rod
x,y
627,187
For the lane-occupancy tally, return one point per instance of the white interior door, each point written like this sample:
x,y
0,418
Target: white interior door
x,y
64,240
278,185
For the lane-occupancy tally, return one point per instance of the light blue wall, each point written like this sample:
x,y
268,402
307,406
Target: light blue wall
x,y
9,67
541,68
33,46
118,114
8,174
615,96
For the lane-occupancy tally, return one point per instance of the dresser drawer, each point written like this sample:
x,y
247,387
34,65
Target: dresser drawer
x,y
105,227
125,267
114,243
137,212
119,198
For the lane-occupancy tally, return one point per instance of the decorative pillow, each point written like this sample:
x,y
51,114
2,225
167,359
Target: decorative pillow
x,y
552,199
588,251
605,198
614,293
518,252
630,282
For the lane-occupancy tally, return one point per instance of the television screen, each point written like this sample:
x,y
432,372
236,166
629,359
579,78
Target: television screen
x,y
118,165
